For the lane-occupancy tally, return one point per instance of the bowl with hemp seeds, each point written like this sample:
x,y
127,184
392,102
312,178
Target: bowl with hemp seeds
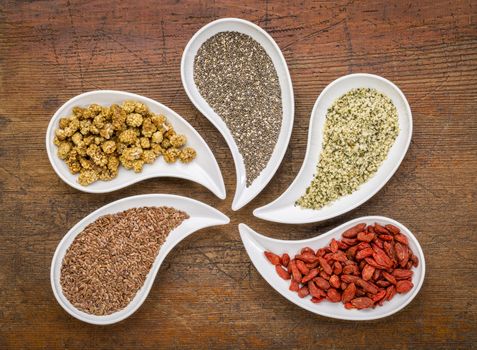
x,y
104,267
101,141
360,130
236,76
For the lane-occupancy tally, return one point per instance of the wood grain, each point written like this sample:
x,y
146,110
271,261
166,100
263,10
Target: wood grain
x,y
207,294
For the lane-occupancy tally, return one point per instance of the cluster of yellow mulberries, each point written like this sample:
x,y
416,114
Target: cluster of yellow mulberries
x,y
95,140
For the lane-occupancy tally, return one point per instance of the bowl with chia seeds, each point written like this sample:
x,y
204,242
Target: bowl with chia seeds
x,y
236,76
360,130
104,267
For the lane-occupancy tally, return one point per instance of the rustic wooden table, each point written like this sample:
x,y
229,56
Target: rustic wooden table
x,y
207,294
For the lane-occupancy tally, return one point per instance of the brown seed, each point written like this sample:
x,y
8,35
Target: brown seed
x,y
367,272
333,295
315,291
381,257
273,258
378,243
337,268
401,274
376,275
349,241
303,292
320,252
351,252
351,270
401,238
342,245
302,267
282,273
363,245
334,245
390,292
367,286
312,274
317,300
366,237
326,267
402,253
380,229
295,272
324,275
380,295
349,306
387,238
294,286
335,281
362,303
321,283
349,293
312,265
307,257
383,283
353,231
307,250
404,286
361,254
393,229
339,256
285,259
389,277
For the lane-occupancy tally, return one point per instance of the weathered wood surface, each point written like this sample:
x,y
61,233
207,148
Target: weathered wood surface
x,y
207,294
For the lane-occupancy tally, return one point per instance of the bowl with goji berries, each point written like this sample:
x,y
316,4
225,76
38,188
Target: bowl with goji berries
x,y
368,268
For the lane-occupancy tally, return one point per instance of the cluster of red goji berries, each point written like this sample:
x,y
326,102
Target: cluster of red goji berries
x,y
369,265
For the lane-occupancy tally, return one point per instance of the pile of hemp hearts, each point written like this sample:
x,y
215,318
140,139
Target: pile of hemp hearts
x,y
360,129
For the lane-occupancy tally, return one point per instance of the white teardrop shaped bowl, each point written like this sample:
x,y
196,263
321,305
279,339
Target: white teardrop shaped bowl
x,y
203,169
201,216
243,194
283,208
255,245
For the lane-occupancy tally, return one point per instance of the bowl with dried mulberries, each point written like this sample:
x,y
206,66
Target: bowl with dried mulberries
x,y
101,141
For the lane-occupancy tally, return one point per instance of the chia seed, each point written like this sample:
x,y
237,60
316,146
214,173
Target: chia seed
x,y
237,78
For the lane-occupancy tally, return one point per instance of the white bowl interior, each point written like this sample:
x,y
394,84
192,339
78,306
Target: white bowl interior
x,y
283,209
243,195
201,216
256,244
203,170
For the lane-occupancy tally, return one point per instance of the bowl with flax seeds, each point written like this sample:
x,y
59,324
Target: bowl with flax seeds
x,y
237,77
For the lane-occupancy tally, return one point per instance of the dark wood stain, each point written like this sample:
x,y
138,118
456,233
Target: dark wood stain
x,y
207,294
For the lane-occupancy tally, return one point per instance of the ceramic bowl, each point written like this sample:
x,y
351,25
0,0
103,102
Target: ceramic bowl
x,y
255,245
243,194
203,170
283,208
201,216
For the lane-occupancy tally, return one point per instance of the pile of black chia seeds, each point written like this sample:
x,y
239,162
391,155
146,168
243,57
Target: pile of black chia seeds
x,y
237,78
